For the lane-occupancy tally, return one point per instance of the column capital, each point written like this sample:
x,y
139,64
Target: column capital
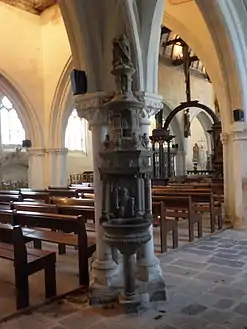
x,y
36,151
92,107
62,150
238,135
153,103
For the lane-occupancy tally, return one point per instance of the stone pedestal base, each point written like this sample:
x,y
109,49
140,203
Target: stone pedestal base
x,y
150,278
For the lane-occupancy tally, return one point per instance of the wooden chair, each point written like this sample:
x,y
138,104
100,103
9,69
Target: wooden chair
x,y
166,226
26,261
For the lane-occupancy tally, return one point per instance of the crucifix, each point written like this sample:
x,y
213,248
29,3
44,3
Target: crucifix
x,y
186,68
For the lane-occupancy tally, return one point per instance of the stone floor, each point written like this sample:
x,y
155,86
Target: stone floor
x,y
67,269
206,285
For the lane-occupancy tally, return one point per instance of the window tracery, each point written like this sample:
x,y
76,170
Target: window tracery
x,y
12,131
75,134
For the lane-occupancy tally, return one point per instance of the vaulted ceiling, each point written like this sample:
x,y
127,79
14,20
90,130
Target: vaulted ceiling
x,y
32,6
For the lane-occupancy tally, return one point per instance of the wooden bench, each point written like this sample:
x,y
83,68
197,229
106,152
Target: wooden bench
x,y
26,261
166,226
203,201
44,196
72,201
64,224
180,208
66,193
87,212
10,197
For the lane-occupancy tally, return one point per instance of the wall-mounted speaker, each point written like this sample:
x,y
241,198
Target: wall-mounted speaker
x,y
26,143
238,115
78,82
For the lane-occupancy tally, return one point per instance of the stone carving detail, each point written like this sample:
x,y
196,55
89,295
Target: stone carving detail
x,y
121,52
125,169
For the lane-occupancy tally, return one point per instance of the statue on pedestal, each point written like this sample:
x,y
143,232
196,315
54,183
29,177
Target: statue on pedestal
x,y
196,154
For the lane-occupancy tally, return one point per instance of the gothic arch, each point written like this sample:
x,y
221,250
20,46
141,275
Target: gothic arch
x,y
25,110
206,123
61,107
226,21
175,127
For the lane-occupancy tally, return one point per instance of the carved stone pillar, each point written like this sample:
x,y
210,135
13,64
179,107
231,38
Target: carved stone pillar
x,y
36,166
148,265
91,107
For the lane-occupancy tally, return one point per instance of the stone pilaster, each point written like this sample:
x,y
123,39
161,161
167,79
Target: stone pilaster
x,y
148,265
91,107
36,166
235,180
57,163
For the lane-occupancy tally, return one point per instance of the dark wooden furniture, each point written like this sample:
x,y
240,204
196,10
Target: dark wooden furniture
x,y
87,212
26,261
167,225
180,208
61,226
203,200
44,196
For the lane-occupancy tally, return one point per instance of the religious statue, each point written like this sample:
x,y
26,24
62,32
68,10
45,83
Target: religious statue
x,y
121,52
217,107
126,204
187,131
196,153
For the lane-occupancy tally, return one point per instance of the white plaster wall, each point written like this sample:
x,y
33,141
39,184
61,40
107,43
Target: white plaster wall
x,y
172,88
20,55
55,54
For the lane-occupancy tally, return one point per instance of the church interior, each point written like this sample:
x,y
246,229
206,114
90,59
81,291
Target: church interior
x,y
123,197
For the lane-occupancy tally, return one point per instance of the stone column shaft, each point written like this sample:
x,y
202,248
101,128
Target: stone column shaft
x,y
36,174
148,265
91,108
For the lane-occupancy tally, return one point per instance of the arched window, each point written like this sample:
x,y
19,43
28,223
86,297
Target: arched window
x,y
12,131
75,134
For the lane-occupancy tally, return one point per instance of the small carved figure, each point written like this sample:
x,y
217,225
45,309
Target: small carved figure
x,y
121,51
123,201
145,140
106,142
187,131
196,152
134,140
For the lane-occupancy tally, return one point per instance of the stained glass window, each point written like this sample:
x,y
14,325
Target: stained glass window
x,y
75,134
12,131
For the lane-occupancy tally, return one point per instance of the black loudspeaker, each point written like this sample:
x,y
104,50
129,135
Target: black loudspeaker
x,y
26,143
238,115
78,82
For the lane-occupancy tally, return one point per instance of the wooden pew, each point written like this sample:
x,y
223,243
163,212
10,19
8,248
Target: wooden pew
x,y
203,201
26,261
63,193
180,208
10,197
166,225
72,201
87,212
10,192
31,195
69,224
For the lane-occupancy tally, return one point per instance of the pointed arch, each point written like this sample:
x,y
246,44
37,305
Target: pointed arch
x,y
61,107
26,112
